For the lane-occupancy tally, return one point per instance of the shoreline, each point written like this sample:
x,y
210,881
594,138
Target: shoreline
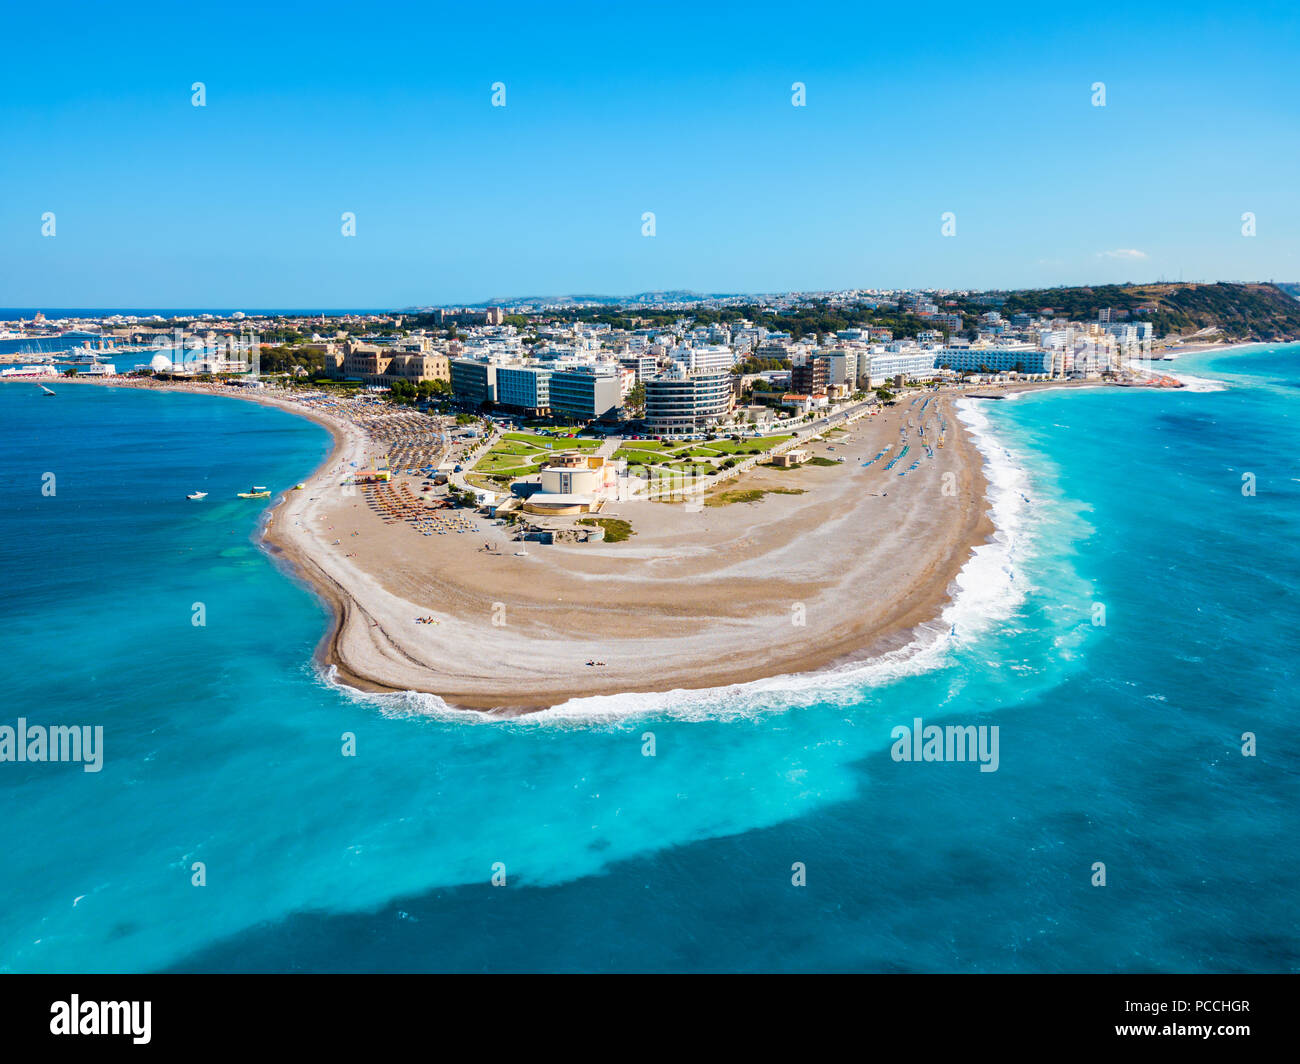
x,y
672,632
360,630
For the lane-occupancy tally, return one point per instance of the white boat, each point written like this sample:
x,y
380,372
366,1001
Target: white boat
x,y
197,495
46,390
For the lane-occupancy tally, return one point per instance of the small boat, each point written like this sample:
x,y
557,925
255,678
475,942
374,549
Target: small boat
x,y
197,495
256,492
46,390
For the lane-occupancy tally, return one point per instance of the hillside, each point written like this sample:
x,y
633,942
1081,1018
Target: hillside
x,y
1239,311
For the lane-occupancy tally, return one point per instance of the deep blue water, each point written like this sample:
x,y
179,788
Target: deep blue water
x,y
1120,743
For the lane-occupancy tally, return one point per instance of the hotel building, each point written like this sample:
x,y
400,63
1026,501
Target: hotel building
x,y
473,382
994,359
585,393
382,366
526,389
681,402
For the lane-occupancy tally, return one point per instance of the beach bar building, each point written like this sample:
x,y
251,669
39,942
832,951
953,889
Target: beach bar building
x,y
790,458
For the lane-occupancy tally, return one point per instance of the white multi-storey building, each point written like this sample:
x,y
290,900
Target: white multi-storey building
x,y
712,358
1002,359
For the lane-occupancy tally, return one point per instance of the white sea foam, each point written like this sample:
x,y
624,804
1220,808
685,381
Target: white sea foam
x,y
988,590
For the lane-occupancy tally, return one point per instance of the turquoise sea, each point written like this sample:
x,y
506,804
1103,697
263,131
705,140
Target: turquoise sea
x,y
1120,742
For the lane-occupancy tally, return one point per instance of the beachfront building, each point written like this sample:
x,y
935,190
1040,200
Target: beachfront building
x,y
1002,359
810,376
682,402
841,370
574,483
585,393
524,389
374,365
473,382
909,364
804,404
414,368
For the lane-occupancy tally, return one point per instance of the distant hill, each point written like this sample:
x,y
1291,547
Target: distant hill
x,y
649,298
1238,311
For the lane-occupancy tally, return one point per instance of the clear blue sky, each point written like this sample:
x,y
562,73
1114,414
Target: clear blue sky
x,y
614,109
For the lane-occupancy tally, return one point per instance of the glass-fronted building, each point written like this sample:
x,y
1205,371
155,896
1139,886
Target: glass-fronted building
x,y
584,393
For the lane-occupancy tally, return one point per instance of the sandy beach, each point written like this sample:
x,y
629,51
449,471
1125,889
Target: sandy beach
x,y
837,564
792,583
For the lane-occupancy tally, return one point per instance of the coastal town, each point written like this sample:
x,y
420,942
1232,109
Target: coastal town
x,y
576,411
528,503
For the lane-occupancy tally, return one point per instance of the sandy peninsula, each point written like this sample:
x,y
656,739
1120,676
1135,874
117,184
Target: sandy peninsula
x,y
698,597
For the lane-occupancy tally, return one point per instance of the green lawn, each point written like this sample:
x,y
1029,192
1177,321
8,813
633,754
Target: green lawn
x,y
645,445
637,458
553,443
550,428
509,447
504,462
757,444
482,482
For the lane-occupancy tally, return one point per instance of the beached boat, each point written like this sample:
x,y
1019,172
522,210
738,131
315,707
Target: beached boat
x,y
197,495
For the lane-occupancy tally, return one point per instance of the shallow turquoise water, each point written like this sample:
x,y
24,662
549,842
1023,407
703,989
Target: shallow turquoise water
x,y
1119,743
